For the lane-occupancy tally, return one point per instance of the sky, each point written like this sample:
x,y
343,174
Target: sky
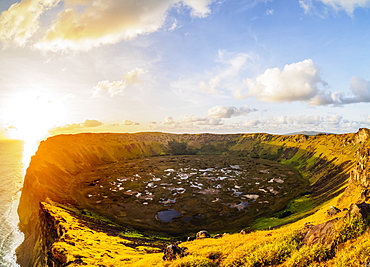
x,y
183,66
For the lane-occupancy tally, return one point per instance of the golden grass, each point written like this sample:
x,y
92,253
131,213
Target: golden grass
x,y
93,247
279,247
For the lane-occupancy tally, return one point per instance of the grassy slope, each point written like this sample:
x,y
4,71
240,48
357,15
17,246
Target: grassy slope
x,y
280,247
317,158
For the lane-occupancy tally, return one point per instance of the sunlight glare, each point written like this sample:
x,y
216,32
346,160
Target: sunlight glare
x,y
30,117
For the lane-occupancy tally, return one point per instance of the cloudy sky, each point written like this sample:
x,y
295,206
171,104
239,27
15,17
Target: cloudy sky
x,y
220,66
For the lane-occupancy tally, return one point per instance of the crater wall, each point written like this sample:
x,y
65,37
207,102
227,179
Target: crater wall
x,y
327,161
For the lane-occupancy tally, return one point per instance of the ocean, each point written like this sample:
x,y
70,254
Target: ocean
x,y
13,163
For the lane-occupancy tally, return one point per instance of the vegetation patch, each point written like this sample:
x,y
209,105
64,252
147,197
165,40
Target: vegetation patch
x,y
296,209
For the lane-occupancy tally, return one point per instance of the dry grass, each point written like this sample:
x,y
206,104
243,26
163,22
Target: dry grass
x,y
280,247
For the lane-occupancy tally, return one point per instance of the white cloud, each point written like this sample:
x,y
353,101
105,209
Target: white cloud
x,y
113,88
118,87
367,119
227,73
169,121
226,76
190,122
22,20
132,77
347,5
83,25
334,123
252,123
234,62
199,8
307,5
219,112
128,122
270,12
174,26
311,120
286,124
248,4
75,126
296,82
92,123
211,85
360,89
334,120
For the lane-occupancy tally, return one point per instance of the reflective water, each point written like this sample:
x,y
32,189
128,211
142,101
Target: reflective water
x,y
167,215
12,167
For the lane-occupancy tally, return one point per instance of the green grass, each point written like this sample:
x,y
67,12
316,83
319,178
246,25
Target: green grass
x,y
132,234
299,208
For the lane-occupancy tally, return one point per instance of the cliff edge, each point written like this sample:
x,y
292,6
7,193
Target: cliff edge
x,y
329,162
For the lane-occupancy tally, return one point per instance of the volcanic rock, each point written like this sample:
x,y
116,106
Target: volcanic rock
x,y
203,234
333,211
172,252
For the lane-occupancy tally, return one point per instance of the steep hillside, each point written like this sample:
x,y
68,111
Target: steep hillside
x,y
326,161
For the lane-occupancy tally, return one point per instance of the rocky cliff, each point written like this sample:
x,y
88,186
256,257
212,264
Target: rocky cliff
x,y
327,161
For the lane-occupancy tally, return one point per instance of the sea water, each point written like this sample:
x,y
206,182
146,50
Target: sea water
x,y
13,163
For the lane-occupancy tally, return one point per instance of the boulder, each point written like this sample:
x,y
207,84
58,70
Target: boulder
x,y
190,238
218,236
202,234
245,231
323,233
172,252
333,211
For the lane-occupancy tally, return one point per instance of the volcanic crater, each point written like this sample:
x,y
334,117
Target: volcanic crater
x,y
179,194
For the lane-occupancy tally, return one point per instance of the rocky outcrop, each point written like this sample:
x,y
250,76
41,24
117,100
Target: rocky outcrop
x,y
173,252
202,234
333,211
338,230
323,233
326,161
361,171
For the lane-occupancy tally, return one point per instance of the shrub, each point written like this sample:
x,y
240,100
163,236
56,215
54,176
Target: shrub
x,y
272,252
351,227
191,261
307,255
354,254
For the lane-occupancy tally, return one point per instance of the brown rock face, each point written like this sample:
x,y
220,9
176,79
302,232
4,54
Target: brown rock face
x,y
323,233
338,230
362,135
361,171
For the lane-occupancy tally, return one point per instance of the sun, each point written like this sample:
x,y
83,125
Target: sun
x,y
30,116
